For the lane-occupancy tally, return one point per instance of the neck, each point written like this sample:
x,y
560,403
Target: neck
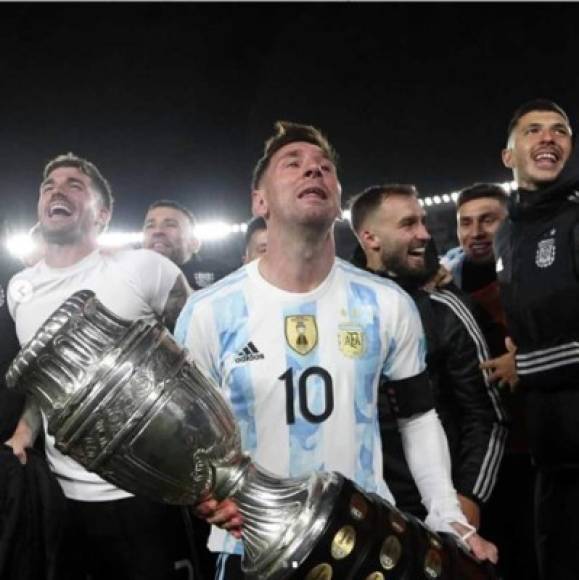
x,y
61,256
297,261
374,263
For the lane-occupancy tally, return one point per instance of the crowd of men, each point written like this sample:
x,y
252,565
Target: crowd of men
x,y
449,388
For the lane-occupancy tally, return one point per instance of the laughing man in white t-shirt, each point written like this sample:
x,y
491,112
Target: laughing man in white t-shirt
x,y
108,532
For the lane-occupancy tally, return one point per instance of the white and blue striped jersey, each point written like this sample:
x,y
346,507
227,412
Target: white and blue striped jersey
x,y
301,371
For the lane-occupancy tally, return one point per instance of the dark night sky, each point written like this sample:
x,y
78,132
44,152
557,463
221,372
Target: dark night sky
x,y
175,100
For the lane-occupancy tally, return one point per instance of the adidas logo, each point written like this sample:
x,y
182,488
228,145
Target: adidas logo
x,y
248,353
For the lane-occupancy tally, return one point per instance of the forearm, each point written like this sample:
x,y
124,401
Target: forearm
x,y
175,301
428,457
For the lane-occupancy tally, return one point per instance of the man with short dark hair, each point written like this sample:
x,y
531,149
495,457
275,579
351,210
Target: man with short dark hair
x,y
109,533
480,210
255,239
169,229
390,226
300,316
537,251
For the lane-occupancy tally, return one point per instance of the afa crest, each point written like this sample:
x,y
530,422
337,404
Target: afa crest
x,y
351,340
545,255
301,333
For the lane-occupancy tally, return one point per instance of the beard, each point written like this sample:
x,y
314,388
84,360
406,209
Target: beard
x,y
61,237
414,276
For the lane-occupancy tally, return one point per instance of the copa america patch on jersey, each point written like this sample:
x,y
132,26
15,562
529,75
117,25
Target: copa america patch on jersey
x,y
545,255
301,333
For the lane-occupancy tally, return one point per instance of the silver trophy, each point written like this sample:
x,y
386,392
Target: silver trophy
x,y
123,400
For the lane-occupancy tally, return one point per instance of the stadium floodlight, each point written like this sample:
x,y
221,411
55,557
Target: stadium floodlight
x,y
213,230
20,245
509,186
120,239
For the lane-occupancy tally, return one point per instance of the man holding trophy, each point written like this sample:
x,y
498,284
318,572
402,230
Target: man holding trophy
x,y
297,342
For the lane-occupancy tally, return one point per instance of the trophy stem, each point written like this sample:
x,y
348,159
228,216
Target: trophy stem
x,y
283,518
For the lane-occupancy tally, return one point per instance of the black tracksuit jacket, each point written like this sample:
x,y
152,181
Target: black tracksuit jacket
x,y
467,404
537,251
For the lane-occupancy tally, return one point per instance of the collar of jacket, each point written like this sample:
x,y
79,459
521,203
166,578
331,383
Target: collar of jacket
x,y
527,204
408,284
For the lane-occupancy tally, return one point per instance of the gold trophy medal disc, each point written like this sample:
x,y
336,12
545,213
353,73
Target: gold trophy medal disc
x,y
375,576
358,507
434,542
343,543
390,552
398,522
433,564
320,572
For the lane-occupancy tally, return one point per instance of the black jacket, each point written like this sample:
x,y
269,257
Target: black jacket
x,y
11,403
467,404
32,509
537,250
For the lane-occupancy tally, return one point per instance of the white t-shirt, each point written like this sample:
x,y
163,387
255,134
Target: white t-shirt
x,y
301,371
131,283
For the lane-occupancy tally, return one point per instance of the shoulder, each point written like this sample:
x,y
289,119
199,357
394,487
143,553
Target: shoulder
x,y
29,274
201,304
454,304
227,286
139,257
21,285
356,276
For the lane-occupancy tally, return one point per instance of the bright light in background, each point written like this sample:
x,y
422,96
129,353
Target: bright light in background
x,y
120,239
21,245
215,230
508,186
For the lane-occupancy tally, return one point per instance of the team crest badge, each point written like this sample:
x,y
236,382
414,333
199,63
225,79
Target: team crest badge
x,y
301,333
203,279
351,341
545,255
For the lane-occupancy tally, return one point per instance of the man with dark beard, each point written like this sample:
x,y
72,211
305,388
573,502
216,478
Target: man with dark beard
x,y
169,230
390,226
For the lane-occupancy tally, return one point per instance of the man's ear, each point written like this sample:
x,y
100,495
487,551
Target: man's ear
x,y
193,243
103,218
259,203
507,157
369,240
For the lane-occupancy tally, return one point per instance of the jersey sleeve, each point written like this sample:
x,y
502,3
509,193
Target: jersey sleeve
x,y
406,344
154,277
195,331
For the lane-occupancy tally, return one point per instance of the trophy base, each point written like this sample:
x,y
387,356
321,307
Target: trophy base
x,y
366,538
